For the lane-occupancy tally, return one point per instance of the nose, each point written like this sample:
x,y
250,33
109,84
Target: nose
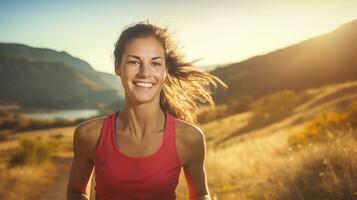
x,y
145,68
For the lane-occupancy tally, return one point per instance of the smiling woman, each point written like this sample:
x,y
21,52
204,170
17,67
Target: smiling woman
x,y
138,152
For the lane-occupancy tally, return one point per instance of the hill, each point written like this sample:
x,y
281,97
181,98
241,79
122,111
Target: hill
x,y
44,78
329,58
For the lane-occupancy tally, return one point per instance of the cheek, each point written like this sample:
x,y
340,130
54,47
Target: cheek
x,y
126,75
160,77
129,72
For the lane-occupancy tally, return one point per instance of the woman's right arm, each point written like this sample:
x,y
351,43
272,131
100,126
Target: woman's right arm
x,y
82,165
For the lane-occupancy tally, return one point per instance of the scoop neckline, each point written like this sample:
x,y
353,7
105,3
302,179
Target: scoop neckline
x,y
116,114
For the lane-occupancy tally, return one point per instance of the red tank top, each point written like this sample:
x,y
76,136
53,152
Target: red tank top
x,y
120,177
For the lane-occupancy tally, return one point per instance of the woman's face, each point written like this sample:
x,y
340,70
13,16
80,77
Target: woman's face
x,y
142,69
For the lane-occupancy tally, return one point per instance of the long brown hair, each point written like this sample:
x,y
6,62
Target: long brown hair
x,y
186,88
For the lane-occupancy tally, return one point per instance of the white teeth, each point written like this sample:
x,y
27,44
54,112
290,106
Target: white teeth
x,y
145,85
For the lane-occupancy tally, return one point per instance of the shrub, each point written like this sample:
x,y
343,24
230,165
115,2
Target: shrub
x,y
212,113
240,104
323,125
325,170
274,105
31,152
234,106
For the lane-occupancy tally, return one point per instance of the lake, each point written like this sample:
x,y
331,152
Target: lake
x,y
68,114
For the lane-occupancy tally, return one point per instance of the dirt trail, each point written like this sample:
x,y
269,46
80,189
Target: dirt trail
x,y
57,190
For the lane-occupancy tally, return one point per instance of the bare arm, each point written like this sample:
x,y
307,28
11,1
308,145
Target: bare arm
x,y
195,173
81,168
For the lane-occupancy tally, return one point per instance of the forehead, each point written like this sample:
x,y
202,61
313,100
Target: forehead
x,y
145,47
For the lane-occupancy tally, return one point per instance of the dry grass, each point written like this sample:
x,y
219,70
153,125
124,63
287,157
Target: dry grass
x,y
63,135
264,164
259,164
29,181
265,168
26,182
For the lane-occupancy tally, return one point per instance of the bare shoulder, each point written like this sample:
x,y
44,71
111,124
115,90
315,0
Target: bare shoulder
x,y
188,131
189,139
86,135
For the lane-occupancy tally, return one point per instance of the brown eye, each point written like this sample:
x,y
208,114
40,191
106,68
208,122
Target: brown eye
x,y
157,64
133,62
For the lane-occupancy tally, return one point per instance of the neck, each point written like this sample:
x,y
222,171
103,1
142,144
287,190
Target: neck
x,y
142,120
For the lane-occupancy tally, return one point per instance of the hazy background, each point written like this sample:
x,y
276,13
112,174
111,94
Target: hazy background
x,y
219,31
284,129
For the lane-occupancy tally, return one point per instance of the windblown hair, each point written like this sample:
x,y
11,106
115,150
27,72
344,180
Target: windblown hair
x,y
185,88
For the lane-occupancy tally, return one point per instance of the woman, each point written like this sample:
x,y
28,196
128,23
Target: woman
x,y
138,152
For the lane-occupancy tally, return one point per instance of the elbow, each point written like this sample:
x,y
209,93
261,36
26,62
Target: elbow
x,y
76,195
201,197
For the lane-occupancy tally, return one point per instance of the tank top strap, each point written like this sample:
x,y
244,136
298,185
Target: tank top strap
x,y
169,135
104,136
171,140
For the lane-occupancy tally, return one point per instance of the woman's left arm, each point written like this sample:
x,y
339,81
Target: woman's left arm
x,y
194,170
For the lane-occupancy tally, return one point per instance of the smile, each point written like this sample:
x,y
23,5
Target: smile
x,y
143,84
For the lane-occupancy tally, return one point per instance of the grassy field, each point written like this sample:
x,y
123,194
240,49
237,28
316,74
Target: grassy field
x,y
17,183
262,162
306,151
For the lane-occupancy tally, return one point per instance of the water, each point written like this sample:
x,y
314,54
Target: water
x,y
67,114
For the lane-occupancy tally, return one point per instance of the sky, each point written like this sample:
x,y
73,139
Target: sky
x,y
218,32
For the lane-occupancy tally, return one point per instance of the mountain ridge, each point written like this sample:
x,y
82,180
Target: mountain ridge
x,y
84,87
323,59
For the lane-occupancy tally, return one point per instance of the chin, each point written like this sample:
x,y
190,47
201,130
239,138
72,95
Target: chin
x,y
143,99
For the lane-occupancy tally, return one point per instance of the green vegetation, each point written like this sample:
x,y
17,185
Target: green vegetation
x,y
52,79
33,158
12,122
32,151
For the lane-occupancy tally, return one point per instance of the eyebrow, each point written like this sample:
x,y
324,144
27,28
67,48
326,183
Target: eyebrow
x,y
137,57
